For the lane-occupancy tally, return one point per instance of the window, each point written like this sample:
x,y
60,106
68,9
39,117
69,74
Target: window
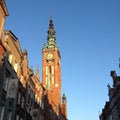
x,y
52,79
19,97
2,112
43,106
22,105
38,100
10,116
17,117
5,86
52,70
40,103
10,58
110,117
28,89
31,102
15,67
38,88
46,70
35,97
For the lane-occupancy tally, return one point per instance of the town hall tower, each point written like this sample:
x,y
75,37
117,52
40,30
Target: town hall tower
x,y
51,72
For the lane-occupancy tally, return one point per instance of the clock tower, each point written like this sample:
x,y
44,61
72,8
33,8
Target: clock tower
x,y
51,72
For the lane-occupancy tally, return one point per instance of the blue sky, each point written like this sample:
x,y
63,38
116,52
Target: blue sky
x,y
88,35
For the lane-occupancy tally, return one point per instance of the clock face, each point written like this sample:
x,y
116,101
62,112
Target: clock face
x,y
49,56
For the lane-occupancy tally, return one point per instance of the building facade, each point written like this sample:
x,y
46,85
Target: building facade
x,y
22,95
111,110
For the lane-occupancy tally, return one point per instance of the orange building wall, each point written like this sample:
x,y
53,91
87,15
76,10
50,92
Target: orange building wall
x,y
2,50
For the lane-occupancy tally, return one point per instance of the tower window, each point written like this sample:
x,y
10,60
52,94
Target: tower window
x,y
46,70
52,70
52,79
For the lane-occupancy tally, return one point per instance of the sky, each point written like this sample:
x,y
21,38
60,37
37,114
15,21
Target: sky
x,y
88,36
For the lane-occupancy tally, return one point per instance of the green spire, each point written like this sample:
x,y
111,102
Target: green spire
x,y
51,39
